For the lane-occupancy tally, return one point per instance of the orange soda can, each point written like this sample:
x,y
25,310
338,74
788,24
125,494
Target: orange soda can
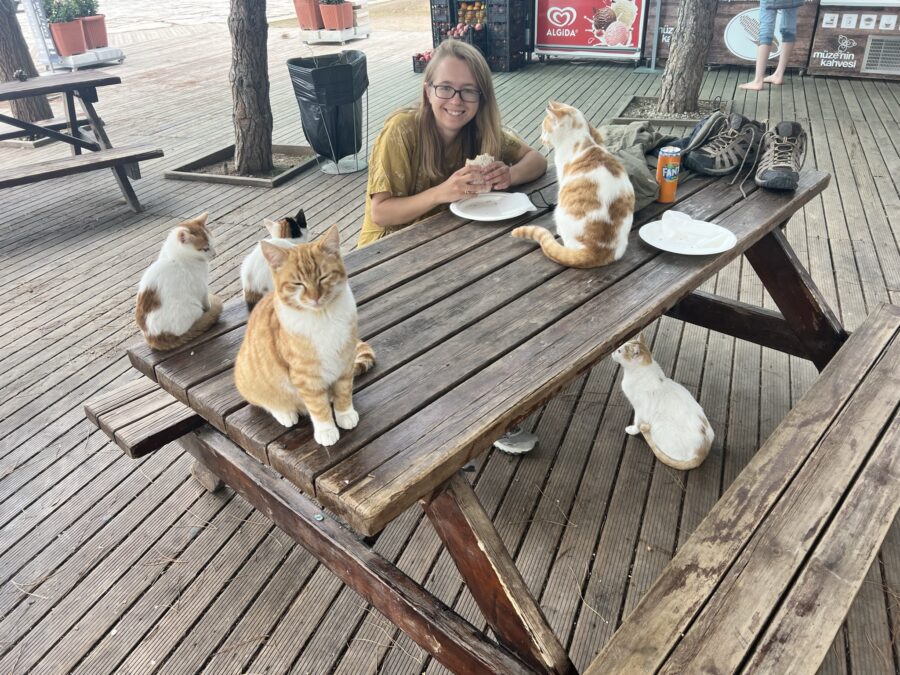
x,y
667,168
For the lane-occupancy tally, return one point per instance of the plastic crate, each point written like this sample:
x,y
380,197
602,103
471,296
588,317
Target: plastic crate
x,y
506,63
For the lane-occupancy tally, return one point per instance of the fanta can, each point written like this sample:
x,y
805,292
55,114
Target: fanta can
x,y
667,168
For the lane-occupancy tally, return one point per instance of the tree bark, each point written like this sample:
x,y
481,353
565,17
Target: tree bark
x,y
249,77
14,55
680,88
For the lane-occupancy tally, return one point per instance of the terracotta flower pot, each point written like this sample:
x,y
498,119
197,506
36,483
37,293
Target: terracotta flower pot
x,y
337,17
69,38
95,31
308,14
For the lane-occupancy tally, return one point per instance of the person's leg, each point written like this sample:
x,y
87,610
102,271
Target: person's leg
x,y
788,38
766,33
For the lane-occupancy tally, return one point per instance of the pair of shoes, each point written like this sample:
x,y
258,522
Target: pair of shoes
x,y
516,441
784,152
734,144
706,128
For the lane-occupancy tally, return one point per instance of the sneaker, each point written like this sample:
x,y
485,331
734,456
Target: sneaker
x,y
516,441
784,151
706,128
735,144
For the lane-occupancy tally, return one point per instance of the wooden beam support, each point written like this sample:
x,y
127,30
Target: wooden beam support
x,y
800,301
432,625
763,327
37,130
492,578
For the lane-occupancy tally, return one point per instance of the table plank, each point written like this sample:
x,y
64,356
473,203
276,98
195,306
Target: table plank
x,y
422,452
61,82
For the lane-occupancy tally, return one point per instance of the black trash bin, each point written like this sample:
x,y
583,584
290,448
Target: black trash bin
x,y
329,91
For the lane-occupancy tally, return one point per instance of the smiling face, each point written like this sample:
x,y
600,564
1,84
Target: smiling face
x,y
451,115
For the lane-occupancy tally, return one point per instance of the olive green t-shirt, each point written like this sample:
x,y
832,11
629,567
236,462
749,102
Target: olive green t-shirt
x,y
391,168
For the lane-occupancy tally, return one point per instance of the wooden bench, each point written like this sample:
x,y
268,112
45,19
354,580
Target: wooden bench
x,y
140,418
765,581
113,158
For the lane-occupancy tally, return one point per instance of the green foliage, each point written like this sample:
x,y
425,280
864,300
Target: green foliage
x,y
87,7
61,11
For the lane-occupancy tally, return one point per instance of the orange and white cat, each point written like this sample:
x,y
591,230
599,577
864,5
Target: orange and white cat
x,y
174,305
300,351
596,200
670,420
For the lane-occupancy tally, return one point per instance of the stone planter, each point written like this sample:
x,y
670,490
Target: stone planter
x,y
633,109
337,17
69,37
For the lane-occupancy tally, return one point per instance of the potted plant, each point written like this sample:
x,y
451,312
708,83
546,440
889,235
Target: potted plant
x,y
308,14
94,24
66,28
336,14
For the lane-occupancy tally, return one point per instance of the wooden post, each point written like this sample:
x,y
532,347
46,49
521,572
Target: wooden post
x,y
796,295
492,578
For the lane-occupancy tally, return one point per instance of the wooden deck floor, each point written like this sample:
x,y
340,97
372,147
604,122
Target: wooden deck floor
x,y
113,566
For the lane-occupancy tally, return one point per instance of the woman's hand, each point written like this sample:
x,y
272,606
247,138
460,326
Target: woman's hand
x,y
498,175
466,182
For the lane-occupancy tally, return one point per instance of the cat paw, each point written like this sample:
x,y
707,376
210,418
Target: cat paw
x,y
327,435
284,418
347,419
632,430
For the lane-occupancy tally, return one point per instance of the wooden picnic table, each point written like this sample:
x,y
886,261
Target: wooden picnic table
x,y
82,134
473,330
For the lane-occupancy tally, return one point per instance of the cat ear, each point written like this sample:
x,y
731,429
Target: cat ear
x,y
641,341
183,235
330,242
301,219
272,227
274,255
202,218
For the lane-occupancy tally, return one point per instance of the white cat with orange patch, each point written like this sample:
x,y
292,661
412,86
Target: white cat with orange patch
x,y
595,207
173,303
670,420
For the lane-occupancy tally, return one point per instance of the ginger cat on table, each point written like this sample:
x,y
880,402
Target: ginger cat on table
x,y
301,351
596,199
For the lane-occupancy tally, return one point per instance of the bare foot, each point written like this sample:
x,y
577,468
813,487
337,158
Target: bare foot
x,y
774,79
755,86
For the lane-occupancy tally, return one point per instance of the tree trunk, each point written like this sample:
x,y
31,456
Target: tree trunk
x,y
680,88
14,55
249,76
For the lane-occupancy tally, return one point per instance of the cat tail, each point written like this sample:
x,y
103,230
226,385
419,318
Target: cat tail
x,y
681,465
166,341
570,257
365,358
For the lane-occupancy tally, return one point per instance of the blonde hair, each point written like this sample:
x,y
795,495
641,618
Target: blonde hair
x,y
481,135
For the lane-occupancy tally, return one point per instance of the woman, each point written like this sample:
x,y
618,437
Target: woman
x,y
767,11
418,166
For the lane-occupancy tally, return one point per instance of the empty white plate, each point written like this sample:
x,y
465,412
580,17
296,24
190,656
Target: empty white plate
x,y
489,206
677,232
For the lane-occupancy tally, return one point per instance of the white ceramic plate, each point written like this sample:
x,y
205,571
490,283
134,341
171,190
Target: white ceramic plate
x,y
679,233
490,206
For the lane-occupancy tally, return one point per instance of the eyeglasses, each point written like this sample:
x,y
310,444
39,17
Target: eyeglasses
x,y
447,92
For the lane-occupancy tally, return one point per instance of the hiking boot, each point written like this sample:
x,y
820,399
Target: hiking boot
x,y
705,129
784,151
735,144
